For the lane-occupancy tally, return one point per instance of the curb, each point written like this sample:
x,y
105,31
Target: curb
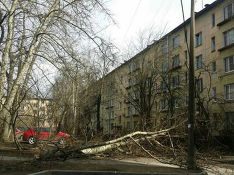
x,y
73,172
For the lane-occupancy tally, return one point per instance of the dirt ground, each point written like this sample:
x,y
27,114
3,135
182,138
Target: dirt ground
x,y
14,162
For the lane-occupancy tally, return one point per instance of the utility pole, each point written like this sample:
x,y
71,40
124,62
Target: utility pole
x,y
191,106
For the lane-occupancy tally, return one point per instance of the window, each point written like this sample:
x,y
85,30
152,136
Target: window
x,y
213,20
185,57
176,41
137,81
111,102
149,65
110,91
228,37
164,67
175,81
228,11
200,85
112,126
120,93
186,100
164,104
199,62
198,38
136,94
129,111
213,67
129,82
45,129
107,116
130,68
136,65
176,61
175,103
148,82
229,64
121,79
120,105
136,111
128,125
213,44
36,129
213,93
229,91
164,86
120,119
135,124
230,120
112,114
164,48
186,77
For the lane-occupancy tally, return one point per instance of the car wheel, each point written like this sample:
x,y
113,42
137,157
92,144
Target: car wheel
x,y
62,141
31,140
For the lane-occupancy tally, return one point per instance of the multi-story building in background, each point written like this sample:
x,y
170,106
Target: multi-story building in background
x,y
36,112
33,112
152,87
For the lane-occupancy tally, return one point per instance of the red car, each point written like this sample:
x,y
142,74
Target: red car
x,y
43,133
19,132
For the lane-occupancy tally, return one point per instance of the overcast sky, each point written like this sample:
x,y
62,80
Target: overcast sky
x,y
133,16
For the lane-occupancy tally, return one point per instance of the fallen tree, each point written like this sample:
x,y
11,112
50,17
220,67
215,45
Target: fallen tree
x,y
83,151
72,152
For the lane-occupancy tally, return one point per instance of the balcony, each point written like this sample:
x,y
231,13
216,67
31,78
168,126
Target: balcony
x,y
136,69
135,114
126,101
109,106
128,87
164,109
226,47
175,68
225,21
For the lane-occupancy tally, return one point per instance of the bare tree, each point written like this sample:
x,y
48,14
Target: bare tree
x,y
32,31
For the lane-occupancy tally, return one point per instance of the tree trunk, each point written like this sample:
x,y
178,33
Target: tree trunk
x,y
20,76
98,113
6,126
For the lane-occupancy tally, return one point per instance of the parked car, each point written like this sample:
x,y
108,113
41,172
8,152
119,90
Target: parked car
x,y
43,133
19,132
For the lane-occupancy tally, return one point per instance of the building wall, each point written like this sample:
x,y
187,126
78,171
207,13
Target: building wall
x,y
114,110
36,112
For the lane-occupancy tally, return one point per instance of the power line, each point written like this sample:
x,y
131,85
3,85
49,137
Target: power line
x,y
131,21
186,39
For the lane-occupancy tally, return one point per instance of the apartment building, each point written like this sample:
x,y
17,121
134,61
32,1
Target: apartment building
x,y
153,85
36,112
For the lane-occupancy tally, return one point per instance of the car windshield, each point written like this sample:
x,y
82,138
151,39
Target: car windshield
x,y
22,128
45,129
